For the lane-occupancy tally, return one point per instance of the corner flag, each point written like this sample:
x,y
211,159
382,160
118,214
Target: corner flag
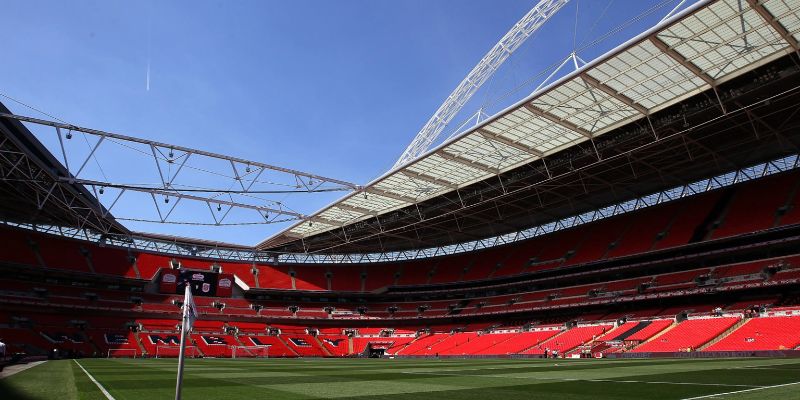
x,y
189,309
189,315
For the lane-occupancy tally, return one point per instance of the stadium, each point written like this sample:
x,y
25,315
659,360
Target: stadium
x,y
629,229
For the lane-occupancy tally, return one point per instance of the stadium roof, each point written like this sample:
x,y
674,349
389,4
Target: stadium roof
x,y
695,51
33,189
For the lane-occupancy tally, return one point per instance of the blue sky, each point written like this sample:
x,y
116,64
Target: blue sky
x,y
337,88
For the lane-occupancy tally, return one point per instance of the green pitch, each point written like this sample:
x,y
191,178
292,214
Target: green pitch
x,y
275,379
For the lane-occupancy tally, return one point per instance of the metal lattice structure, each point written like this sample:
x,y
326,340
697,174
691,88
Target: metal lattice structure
x,y
240,182
487,66
223,252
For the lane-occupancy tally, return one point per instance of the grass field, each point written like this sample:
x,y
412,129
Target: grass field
x,y
274,379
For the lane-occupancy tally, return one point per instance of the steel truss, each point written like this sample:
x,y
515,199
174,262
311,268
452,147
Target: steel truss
x,y
178,248
241,181
51,200
486,67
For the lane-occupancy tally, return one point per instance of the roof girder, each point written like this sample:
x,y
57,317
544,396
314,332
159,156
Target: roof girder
x,y
672,53
613,93
504,140
758,7
558,121
429,179
467,162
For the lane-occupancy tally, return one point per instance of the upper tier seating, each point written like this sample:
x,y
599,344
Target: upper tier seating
x,y
110,261
16,247
241,270
346,278
310,278
274,277
378,278
792,214
689,217
149,264
755,206
62,253
641,235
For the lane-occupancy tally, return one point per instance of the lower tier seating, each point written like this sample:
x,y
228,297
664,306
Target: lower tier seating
x,y
774,330
688,335
769,333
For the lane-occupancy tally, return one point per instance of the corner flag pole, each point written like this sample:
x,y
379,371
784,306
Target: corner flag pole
x,y
189,315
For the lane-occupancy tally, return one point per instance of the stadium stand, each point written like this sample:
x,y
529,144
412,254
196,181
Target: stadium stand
x,y
549,281
671,225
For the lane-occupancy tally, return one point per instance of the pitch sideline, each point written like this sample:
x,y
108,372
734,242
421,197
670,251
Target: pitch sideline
x,y
99,386
708,396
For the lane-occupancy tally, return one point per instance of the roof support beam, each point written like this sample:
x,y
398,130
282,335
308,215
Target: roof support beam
x,y
558,121
153,144
613,93
429,179
504,140
179,195
327,221
391,195
758,7
682,61
359,210
467,162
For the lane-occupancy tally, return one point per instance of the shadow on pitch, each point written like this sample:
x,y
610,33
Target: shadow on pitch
x,y
8,392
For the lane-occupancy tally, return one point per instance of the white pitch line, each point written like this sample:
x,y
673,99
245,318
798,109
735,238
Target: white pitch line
x,y
587,380
99,386
709,396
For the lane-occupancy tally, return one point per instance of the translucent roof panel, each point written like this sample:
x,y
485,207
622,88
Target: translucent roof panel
x,y
456,173
523,127
586,107
723,38
310,228
374,202
787,15
486,152
647,76
406,186
340,215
